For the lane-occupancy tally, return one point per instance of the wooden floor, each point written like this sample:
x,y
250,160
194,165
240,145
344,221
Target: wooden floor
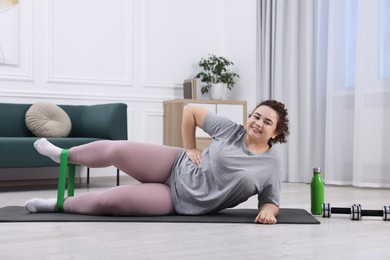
x,y
335,238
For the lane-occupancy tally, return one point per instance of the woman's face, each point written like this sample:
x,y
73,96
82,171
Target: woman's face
x,y
262,124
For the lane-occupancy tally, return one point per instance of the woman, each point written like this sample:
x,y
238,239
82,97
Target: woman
x,y
240,162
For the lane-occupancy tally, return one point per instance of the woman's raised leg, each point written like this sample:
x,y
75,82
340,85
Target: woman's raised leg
x,y
144,162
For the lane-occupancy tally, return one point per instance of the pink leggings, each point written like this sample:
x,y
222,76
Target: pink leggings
x,y
148,163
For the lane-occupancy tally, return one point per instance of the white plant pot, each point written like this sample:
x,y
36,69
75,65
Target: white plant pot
x,y
217,91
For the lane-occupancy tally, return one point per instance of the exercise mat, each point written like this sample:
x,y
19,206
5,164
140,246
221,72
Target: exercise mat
x,y
234,215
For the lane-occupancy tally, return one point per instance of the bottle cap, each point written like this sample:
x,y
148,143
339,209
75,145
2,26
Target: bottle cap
x,y
317,169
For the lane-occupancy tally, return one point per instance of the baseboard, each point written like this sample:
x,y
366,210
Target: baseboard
x,y
36,182
52,183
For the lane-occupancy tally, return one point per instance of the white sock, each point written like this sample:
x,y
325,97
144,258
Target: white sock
x,y
41,205
43,146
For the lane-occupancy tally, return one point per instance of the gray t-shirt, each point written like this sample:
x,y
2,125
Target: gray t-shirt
x,y
228,174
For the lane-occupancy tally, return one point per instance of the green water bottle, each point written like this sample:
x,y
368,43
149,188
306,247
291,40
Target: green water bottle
x,y
317,192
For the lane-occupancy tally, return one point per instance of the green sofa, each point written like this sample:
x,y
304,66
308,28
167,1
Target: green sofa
x,y
89,123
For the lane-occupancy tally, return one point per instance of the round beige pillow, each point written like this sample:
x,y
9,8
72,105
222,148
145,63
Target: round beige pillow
x,y
48,120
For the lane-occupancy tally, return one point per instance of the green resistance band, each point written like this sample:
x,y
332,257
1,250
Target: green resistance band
x,y
62,180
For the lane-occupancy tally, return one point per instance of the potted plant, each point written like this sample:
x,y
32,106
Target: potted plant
x,y
216,75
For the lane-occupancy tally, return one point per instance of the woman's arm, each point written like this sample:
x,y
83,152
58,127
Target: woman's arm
x,y
193,116
267,214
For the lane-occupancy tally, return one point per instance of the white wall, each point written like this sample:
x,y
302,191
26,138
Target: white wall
x,y
137,52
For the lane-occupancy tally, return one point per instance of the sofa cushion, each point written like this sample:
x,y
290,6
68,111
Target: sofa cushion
x,y
48,120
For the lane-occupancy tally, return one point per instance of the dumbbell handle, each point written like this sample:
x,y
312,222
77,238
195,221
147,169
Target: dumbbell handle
x,y
373,213
340,210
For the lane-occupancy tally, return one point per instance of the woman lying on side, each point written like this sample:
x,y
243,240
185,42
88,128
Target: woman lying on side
x,y
239,163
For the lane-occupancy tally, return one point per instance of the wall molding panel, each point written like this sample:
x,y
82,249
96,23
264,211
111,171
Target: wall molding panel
x,y
61,69
23,71
153,121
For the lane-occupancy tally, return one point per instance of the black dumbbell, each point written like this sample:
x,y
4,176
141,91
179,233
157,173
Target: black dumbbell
x,y
355,212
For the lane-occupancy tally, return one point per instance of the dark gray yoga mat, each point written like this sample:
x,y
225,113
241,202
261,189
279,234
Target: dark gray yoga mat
x,y
235,215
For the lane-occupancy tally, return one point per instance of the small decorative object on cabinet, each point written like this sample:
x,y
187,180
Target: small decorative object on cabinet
x,y
173,113
216,75
189,89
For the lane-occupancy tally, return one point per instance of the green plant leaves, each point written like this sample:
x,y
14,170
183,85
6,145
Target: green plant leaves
x,y
215,69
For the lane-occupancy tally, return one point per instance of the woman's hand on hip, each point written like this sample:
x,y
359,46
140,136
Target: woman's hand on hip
x,y
195,155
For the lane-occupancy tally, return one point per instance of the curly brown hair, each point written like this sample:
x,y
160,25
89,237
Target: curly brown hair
x,y
282,129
